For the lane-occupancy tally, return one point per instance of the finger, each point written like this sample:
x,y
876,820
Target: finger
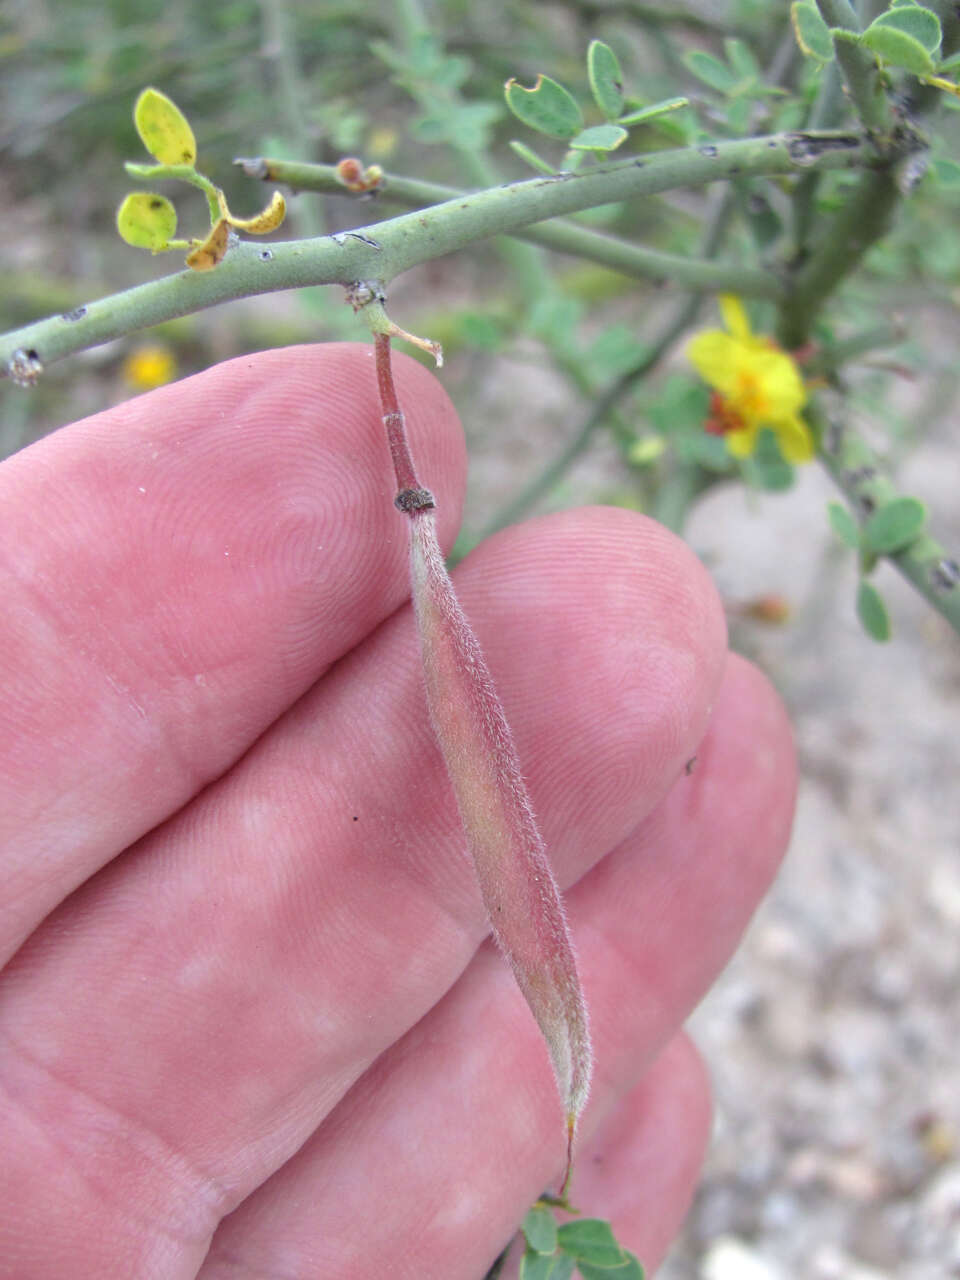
x,y
456,1130
640,1170
184,567
260,951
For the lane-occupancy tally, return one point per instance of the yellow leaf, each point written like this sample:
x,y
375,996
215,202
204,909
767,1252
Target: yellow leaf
x,y
147,220
164,129
261,223
206,256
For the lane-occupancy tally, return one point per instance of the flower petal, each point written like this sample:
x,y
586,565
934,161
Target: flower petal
x,y
742,443
795,440
714,355
734,316
783,389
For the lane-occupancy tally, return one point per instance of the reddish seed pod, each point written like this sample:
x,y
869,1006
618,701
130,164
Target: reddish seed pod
x,y
516,880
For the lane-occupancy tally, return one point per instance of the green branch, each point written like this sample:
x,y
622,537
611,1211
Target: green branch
x,y
856,469
828,360
384,250
859,66
609,251
861,221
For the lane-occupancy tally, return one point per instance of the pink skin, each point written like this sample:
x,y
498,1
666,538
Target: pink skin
x,y
261,973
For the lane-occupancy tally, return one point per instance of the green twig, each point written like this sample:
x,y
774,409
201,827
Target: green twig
x,y
837,354
384,250
826,113
856,469
563,237
859,67
862,220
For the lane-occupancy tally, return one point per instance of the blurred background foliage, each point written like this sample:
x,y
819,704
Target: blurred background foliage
x,y
418,88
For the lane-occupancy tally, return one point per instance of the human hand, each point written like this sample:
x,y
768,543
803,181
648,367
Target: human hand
x,y
249,1023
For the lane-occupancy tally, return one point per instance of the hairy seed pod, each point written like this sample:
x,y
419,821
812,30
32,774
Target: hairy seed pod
x,y
517,883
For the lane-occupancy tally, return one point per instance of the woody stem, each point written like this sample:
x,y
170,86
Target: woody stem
x,y
411,496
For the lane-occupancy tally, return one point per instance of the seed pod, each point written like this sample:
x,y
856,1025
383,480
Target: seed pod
x,y
517,883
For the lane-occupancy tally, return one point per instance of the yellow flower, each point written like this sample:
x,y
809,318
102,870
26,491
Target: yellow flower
x,y
755,384
149,366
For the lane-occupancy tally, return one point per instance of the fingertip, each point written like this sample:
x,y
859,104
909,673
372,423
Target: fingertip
x,y
745,776
612,619
641,1168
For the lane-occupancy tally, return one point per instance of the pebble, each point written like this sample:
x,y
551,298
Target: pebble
x,y
731,1259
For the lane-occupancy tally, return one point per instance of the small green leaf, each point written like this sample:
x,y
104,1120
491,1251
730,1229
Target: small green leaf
x,y
811,32
591,1240
147,220
535,161
548,107
655,109
629,1270
872,612
914,21
541,1266
599,137
163,128
606,80
894,525
540,1229
897,48
710,70
950,64
843,525
741,59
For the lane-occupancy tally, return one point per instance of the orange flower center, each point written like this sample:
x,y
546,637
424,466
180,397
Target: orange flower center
x,y
722,417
